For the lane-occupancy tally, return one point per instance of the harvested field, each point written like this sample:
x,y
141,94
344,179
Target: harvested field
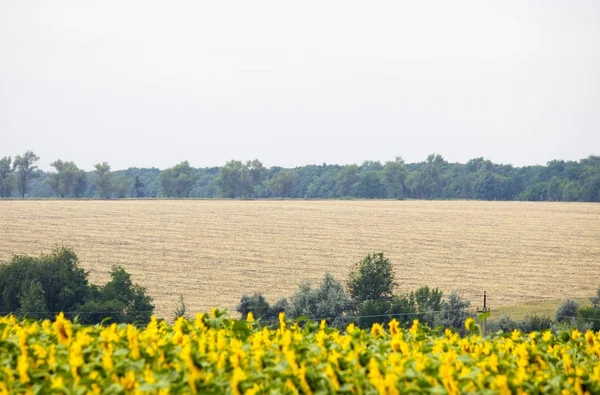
x,y
213,251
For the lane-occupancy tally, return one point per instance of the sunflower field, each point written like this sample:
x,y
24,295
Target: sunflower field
x,y
216,354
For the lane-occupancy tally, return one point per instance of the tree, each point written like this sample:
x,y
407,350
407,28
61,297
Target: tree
x,y
7,178
32,301
68,180
454,312
426,183
64,284
54,282
24,168
370,186
394,174
230,179
119,299
177,181
372,279
346,180
138,186
121,184
255,304
104,185
256,176
282,183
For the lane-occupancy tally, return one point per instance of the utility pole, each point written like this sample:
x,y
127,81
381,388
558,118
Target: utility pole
x,y
485,310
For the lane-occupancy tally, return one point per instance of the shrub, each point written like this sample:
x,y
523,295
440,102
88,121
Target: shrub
x,y
255,304
454,312
327,301
567,311
534,323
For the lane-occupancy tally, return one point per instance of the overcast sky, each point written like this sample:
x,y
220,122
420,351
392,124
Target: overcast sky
x,y
143,83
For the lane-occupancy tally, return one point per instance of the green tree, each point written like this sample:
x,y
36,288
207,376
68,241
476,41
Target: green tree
x,y
177,181
426,182
24,169
119,299
256,175
394,174
104,180
370,186
32,301
282,183
346,180
121,184
255,304
65,285
7,178
68,180
230,179
372,279
138,186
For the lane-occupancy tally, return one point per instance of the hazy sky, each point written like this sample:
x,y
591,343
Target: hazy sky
x,y
143,83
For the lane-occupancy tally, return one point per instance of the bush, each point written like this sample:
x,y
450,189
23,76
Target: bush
x,y
591,313
259,307
533,323
181,309
327,301
567,312
454,312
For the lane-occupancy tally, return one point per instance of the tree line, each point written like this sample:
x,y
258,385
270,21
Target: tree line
x,y
433,178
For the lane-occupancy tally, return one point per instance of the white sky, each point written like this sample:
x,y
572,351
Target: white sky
x,y
144,83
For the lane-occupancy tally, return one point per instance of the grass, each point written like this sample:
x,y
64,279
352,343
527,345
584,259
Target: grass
x,y
213,251
545,308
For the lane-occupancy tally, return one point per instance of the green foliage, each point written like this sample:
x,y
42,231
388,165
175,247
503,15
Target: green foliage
x,y
504,324
394,174
326,301
121,185
104,180
237,179
434,178
591,313
32,301
372,279
282,184
24,167
177,181
138,186
567,311
68,180
533,323
181,309
454,312
31,286
7,177
257,305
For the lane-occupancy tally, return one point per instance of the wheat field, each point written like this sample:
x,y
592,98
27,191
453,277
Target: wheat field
x,y
214,251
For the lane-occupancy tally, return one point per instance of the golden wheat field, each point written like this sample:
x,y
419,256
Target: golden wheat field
x,y
213,251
